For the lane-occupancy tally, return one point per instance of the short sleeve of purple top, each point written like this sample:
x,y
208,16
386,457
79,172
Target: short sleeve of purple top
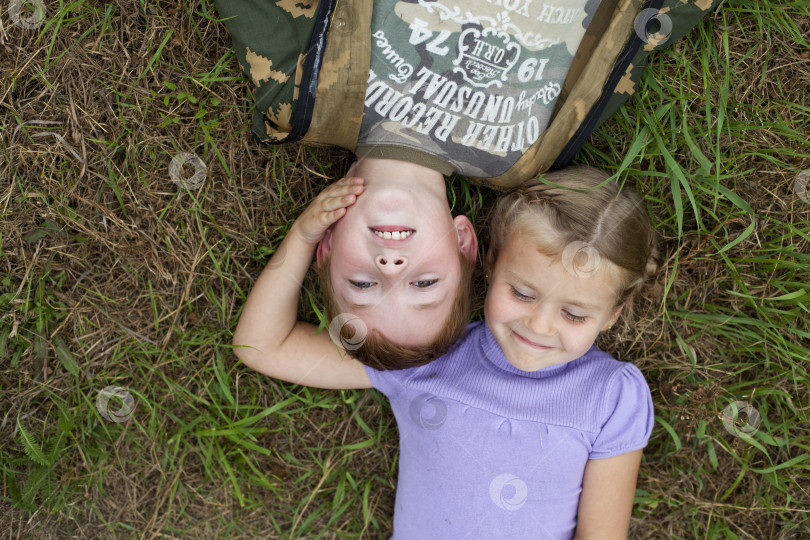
x,y
490,451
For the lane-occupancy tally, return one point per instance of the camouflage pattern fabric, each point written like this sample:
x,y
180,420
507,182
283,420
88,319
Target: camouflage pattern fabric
x,y
257,28
342,82
655,28
675,19
270,36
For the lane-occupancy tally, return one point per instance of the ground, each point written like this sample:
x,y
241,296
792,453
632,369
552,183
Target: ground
x,y
120,288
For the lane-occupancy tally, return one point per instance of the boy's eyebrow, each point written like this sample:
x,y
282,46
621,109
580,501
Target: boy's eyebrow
x,y
429,305
417,307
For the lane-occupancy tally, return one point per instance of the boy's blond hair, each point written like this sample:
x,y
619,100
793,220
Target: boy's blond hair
x,y
581,214
380,353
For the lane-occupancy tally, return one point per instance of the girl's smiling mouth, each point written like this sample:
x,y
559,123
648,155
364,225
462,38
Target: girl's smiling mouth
x,y
531,344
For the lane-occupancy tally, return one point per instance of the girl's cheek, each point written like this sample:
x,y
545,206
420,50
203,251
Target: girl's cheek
x,y
491,309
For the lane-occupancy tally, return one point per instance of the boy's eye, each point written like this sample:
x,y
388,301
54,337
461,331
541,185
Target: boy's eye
x,y
361,284
424,283
573,318
519,295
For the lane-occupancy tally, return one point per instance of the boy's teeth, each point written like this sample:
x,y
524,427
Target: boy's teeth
x,y
396,235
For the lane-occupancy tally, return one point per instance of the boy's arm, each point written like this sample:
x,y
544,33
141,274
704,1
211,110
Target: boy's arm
x,y
268,337
606,501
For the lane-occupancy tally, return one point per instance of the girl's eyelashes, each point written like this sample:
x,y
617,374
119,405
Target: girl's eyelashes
x,y
573,318
527,298
361,284
519,295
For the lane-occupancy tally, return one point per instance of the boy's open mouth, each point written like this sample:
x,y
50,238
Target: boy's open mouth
x,y
392,232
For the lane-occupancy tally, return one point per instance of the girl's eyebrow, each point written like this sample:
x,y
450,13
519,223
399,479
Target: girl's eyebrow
x,y
585,306
520,279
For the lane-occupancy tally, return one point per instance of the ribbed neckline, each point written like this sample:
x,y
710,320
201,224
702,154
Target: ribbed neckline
x,y
494,354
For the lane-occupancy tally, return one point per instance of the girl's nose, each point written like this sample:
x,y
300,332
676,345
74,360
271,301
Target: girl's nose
x,y
541,321
391,265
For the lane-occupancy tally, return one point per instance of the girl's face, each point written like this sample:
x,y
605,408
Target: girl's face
x,y
541,313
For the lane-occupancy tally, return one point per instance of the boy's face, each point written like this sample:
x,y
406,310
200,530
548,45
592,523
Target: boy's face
x,y
542,314
394,261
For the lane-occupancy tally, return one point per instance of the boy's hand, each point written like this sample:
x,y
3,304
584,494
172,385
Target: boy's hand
x,y
328,207
268,338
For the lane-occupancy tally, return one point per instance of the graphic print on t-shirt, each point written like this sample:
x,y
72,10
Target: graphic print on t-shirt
x,y
471,81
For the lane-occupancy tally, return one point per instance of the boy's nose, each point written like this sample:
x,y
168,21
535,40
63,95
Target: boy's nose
x,y
391,264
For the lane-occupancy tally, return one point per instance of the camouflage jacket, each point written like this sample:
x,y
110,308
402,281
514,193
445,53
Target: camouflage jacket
x,y
309,61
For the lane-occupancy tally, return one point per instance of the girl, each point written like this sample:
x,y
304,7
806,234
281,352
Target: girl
x,y
525,429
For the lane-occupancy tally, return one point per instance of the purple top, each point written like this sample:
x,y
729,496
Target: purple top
x,y
491,451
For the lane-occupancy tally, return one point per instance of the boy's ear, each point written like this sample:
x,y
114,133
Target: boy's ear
x,y
324,248
467,241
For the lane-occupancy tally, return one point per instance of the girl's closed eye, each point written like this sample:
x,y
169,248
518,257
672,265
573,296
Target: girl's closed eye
x,y
519,295
574,318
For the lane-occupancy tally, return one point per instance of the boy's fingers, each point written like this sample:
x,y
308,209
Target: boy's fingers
x,y
339,204
339,200
342,189
331,203
356,185
327,218
349,181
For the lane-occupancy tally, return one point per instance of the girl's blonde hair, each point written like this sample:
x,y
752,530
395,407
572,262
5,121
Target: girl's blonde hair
x,y
581,216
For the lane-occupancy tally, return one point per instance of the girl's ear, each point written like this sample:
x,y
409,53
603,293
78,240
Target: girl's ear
x,y
324,248
467,241
613,318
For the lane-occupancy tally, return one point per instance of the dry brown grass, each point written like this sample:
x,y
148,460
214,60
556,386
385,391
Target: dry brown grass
x,y
143,281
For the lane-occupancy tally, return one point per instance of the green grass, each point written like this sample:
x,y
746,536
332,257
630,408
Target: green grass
x,y
114,276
